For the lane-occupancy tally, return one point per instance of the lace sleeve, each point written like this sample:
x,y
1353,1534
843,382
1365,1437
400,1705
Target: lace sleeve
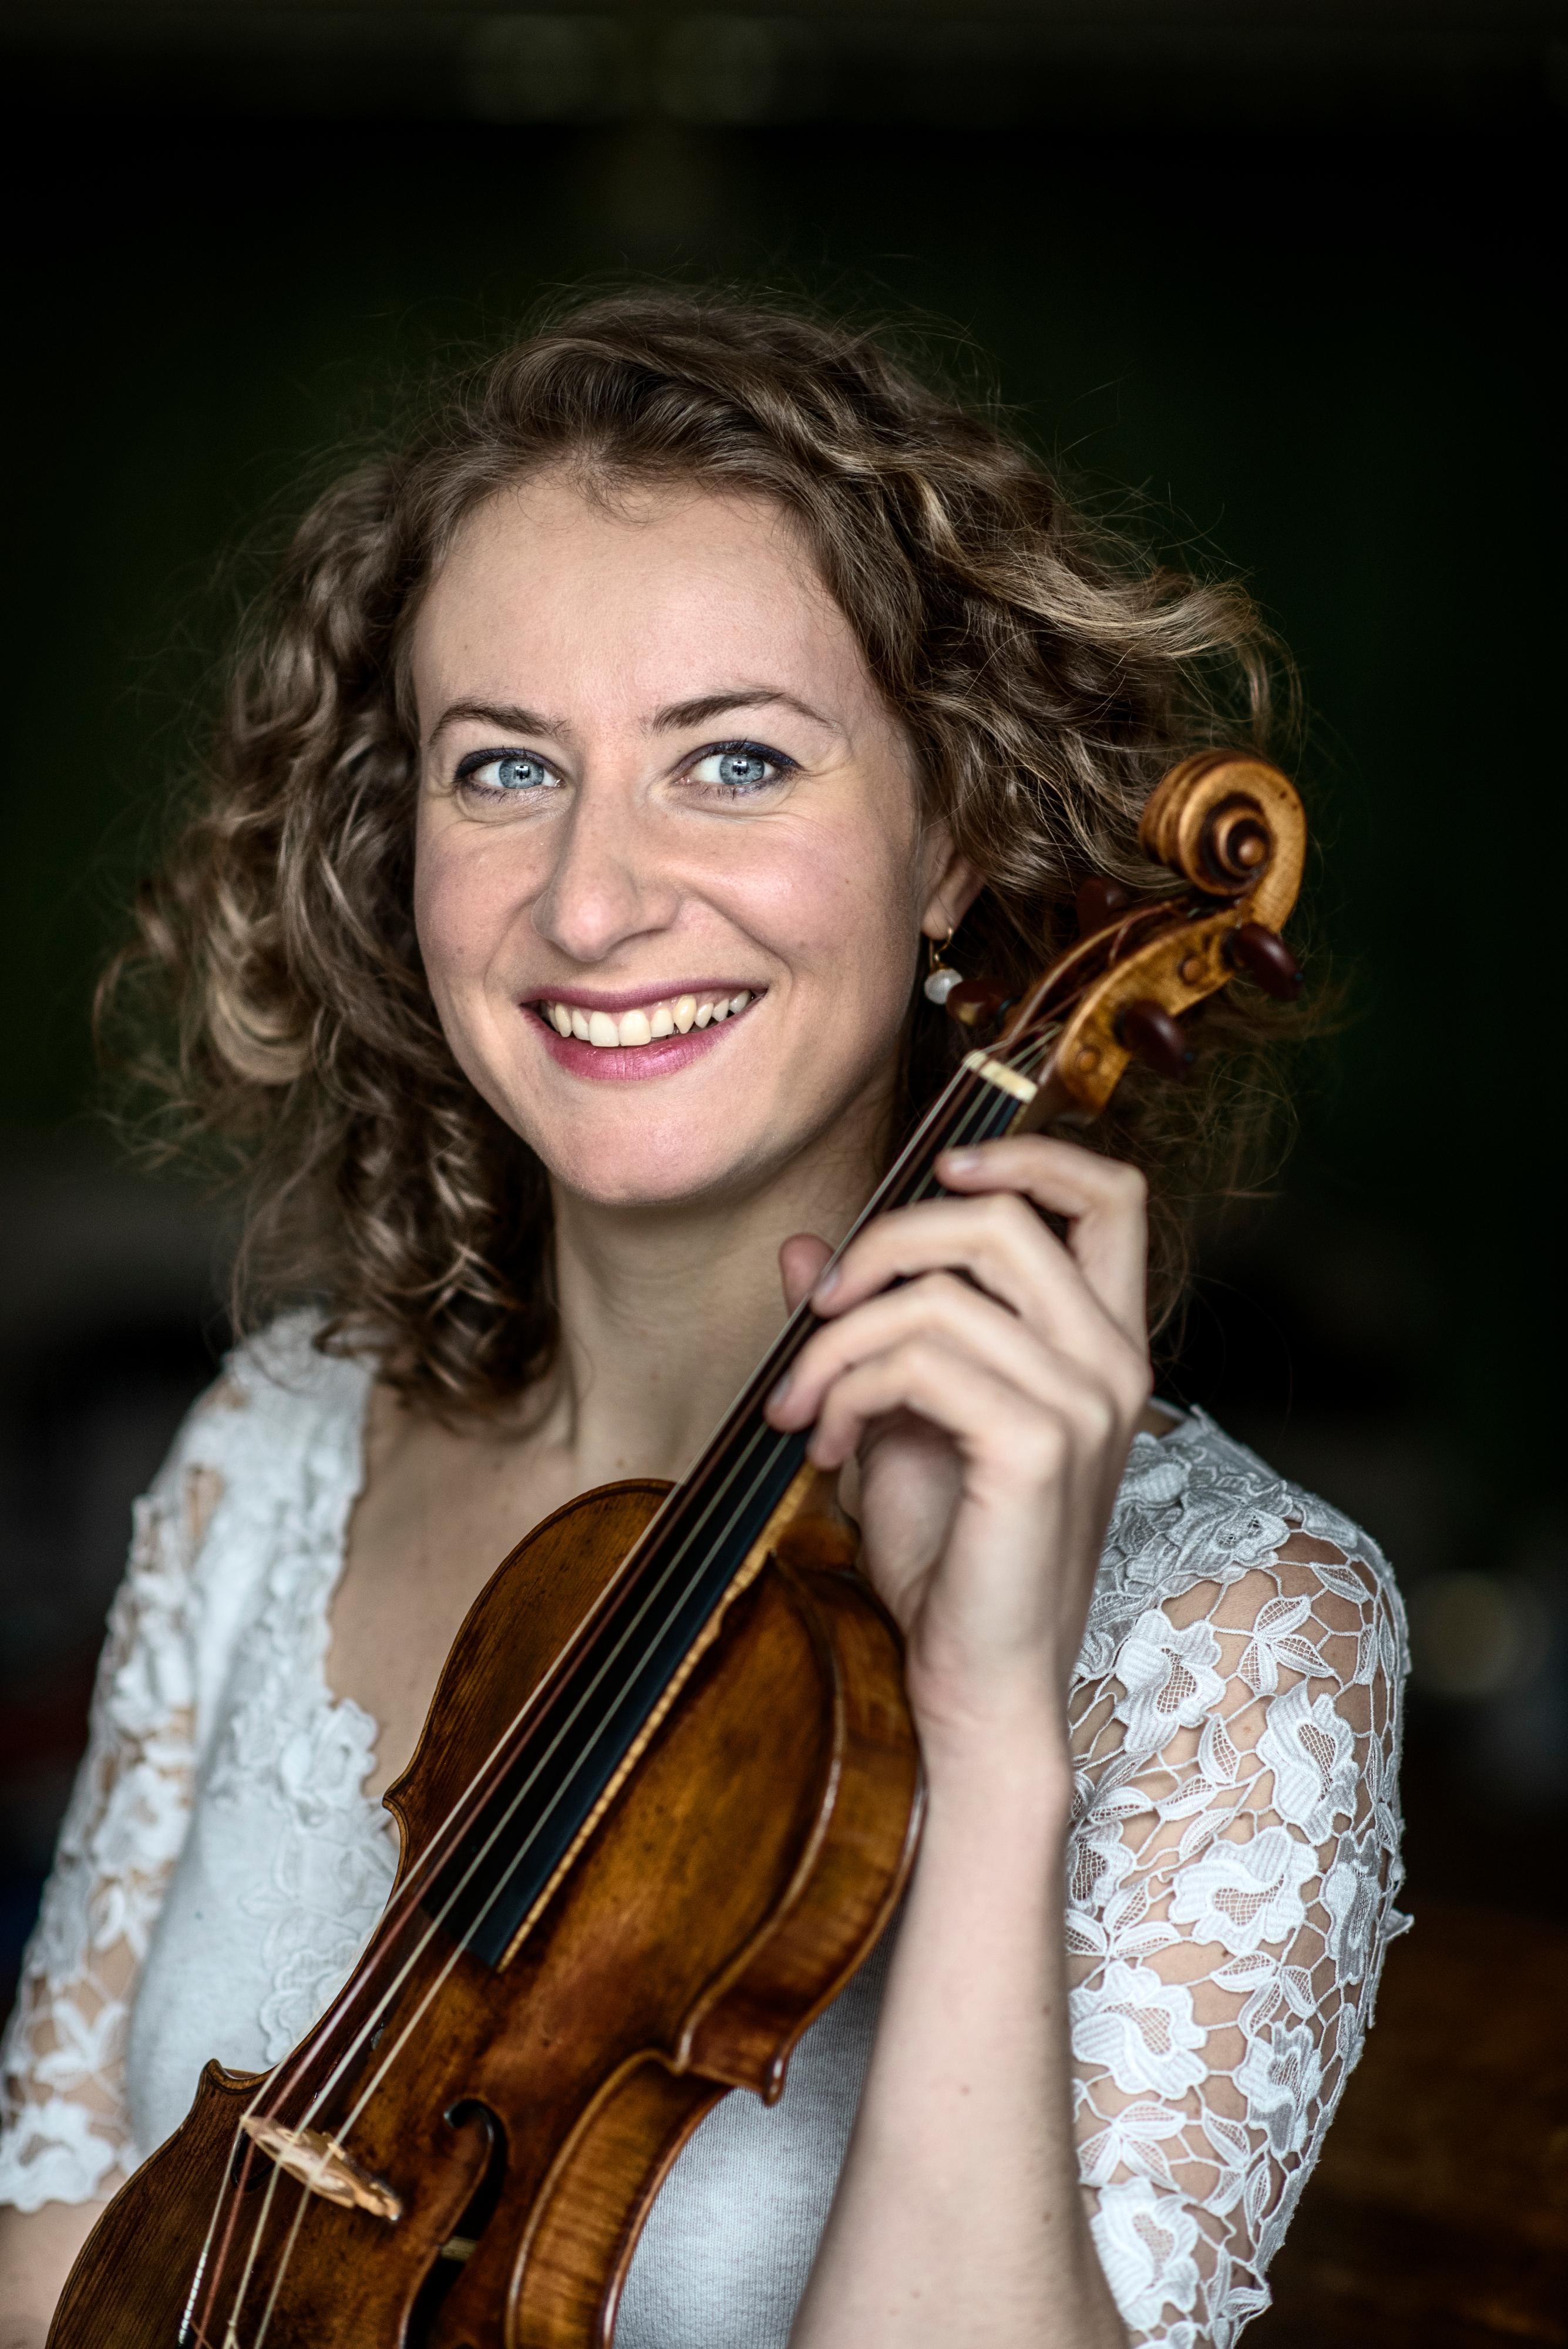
x,y
1229,1894
65,2134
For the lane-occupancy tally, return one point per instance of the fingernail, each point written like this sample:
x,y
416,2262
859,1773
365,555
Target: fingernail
x,y
960,1162
828,1283
782,1388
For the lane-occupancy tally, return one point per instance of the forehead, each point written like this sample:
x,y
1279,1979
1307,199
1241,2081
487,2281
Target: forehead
x,y
653,593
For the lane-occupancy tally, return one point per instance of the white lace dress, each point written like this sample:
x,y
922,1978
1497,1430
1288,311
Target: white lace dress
x,y
1230,1876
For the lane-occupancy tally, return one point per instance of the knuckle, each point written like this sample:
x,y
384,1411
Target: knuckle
x,y
1007,1219
1129,1184
1097,1413
1045,1445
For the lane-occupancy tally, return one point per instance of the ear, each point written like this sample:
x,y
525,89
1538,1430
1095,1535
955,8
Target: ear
x,y
952,885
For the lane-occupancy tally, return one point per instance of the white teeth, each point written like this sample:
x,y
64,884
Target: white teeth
x,y
642,1025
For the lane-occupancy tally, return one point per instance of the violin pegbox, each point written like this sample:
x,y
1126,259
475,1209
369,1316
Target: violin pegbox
x,y
1232,830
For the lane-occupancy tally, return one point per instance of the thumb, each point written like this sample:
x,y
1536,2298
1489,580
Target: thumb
x,y
801,1261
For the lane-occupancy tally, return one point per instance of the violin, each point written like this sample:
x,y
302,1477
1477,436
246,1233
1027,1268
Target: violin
x,y
666,1800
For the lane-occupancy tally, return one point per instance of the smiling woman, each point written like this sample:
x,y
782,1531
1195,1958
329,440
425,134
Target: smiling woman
x,y
615,838
1038,676
548,948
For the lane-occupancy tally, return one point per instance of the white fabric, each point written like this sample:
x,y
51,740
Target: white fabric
x,y
1230,1874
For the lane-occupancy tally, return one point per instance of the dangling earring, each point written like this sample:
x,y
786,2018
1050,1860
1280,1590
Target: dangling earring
x,y
940,979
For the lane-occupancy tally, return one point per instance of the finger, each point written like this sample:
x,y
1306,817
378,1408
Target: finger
x,y
1104,1201
1096,1394
998,1240
800,1259
984,1415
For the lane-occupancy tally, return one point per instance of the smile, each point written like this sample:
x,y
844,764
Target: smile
x,y
646,1023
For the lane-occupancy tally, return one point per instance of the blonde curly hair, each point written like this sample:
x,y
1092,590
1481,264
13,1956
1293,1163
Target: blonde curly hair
x,y
1045,672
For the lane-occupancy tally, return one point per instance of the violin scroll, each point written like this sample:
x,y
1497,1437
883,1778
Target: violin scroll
x,y
1232,830
1231,826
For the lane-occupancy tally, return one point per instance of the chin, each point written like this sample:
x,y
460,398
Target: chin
x,y
643,1167
637,1184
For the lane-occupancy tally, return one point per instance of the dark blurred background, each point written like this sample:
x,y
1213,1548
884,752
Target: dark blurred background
x,y
1286,269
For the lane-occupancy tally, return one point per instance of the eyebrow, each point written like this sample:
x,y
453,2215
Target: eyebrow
x,y
746,696
511,718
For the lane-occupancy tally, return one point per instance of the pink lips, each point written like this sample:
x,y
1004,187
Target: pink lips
x,y
623,1064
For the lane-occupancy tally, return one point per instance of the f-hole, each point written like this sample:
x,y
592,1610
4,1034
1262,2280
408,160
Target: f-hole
x,y
463,2241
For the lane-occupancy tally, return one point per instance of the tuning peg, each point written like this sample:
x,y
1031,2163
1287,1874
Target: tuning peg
x,y
1263,955
1148,1028
1098,899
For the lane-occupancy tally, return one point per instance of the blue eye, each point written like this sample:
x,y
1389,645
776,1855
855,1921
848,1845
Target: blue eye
x,y
740,767
510,773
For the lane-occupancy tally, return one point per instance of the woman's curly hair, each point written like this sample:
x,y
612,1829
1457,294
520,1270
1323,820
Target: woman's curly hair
x,y
1046,673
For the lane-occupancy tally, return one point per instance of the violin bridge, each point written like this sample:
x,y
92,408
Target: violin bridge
x,y
322,2168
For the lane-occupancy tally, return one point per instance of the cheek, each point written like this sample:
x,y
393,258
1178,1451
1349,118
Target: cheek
x,y
462,903
838,904
459,912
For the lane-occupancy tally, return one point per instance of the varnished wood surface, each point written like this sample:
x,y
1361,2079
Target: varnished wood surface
x,y
745,1870
1437,2216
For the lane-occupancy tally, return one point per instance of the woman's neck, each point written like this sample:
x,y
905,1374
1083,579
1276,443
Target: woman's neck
x,y
665,1313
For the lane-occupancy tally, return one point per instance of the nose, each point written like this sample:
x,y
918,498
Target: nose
x,y
609,883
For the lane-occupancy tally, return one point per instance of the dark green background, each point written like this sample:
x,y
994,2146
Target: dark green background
x,y
1318,343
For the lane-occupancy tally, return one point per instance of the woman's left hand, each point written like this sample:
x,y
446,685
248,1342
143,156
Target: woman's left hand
x,y
991,1417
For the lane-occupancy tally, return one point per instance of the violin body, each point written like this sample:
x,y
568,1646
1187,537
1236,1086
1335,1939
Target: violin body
x,y
745,1868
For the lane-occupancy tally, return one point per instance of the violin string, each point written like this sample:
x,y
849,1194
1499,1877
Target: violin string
x,y
231,2335
975,1113
231,2189
434,1854
963,1132
758,1437
284,2257
985,1101
692,1531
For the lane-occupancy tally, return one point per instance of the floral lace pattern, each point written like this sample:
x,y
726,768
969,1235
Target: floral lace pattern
x,y
1231,1873
251,1506
63,2063
333,1853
